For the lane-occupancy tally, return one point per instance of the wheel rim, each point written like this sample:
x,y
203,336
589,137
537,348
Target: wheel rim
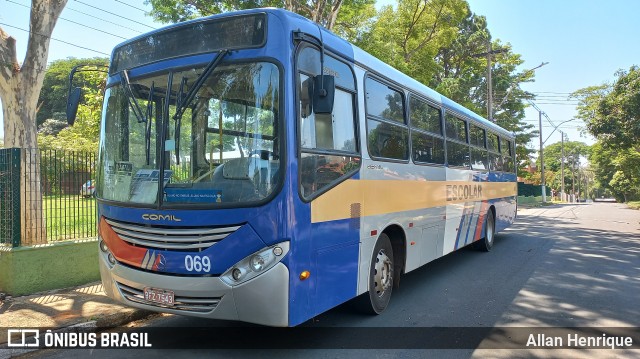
x,y
383,273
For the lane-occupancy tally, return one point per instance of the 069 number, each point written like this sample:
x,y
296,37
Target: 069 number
x,y
197,264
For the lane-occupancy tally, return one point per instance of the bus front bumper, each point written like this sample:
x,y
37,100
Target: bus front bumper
x,y
261,300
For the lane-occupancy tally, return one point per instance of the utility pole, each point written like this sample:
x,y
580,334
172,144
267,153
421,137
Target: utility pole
x,y
544,189
489,54
579,183
562,168
489,84
573,178
586,186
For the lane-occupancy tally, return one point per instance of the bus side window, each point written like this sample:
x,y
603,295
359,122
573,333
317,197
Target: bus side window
x,y
479,154
387,133
495,160
457,143
427,143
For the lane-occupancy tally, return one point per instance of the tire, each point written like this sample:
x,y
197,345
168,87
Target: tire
x,y
486,243
376,300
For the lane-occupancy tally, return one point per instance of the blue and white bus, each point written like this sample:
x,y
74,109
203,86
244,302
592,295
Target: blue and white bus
x,y
255,167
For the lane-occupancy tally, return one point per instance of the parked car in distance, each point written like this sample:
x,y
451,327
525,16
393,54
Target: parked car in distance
x,y
88,189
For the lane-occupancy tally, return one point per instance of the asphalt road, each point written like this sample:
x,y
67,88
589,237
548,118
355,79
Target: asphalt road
x,y
557,266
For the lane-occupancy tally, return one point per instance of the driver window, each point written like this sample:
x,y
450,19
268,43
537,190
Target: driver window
x,y
329,151
333,131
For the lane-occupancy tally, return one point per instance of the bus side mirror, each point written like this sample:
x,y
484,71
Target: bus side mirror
x,y
324,90
72,104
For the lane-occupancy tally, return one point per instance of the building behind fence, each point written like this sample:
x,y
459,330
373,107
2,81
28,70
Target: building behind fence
x,y
63,212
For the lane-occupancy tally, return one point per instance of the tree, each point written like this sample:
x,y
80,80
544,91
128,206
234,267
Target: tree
x,y
83,135
553,160
409,36
52,101
617,118
435,41
324,12
51,127
617,170
20,85
612,115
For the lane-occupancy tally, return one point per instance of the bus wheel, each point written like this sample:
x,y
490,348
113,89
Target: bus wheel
x,y
486,243
380,278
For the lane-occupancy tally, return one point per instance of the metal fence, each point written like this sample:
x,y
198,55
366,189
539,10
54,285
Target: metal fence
x,y
52,207
10,197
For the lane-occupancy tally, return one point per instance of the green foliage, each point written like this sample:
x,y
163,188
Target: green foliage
x,y
553,153
53,96
553,158
617,170
355,18
173,11
52,127
352,15
617,119
612,115
84,134
433,41
410,36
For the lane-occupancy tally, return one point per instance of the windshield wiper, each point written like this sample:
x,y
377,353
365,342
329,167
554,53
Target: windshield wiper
x,y
183,101
147,134
131,99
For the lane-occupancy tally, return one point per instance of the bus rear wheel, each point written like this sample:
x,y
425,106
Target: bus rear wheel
x,y
486,243
380,278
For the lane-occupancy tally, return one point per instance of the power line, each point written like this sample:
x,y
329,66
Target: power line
x,y
53,38
107,21
131,6
551,92
73,22
554,96
114,14
558,103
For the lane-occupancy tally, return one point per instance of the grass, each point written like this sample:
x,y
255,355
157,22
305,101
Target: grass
x,y
69,217
634,204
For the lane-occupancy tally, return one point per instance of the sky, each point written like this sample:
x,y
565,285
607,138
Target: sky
x,y
584,42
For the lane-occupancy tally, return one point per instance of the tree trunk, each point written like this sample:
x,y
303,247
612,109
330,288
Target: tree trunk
x,y
20,86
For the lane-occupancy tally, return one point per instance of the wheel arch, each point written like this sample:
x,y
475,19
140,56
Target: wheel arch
x,y
398,239
492,208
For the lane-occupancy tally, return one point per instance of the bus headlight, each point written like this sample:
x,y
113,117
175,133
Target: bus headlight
x,y
255,264
106,252
103,246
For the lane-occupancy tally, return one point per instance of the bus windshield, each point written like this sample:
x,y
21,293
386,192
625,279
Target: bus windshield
x,y
221,146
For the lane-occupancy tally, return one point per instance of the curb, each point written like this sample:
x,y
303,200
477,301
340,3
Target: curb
x,y
118,319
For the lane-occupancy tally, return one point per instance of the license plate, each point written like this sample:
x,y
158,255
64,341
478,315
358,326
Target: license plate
x,y
160,296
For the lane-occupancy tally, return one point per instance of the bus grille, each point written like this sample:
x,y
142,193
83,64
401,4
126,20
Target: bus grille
x,y
187,304
170,238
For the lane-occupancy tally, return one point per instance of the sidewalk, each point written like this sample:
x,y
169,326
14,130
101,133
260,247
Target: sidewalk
x,y
86,305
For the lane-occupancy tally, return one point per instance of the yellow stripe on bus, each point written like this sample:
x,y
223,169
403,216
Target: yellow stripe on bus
x,y
388,196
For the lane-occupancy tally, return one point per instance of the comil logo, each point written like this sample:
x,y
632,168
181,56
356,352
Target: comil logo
x,y
23,338
161,217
